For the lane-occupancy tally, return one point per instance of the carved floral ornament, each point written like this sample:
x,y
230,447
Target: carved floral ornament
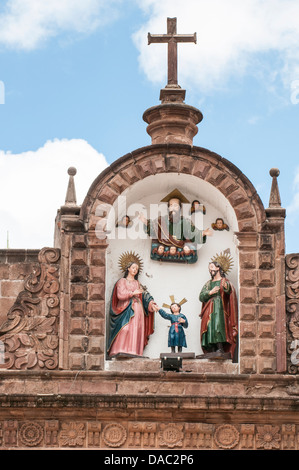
x,y
30,333
31,434
292,308
117,435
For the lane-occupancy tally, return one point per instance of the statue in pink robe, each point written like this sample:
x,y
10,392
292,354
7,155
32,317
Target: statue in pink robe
x,y
131,316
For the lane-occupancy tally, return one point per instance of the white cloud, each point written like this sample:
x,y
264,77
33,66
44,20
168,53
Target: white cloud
x,y
258,37
26,24
33,186
254,120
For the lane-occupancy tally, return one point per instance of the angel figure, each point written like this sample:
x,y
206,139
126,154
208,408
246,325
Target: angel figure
x,y
220,225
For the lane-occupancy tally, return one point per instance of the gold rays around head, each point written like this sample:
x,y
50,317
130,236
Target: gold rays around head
x,y
224,259
183,301
127,258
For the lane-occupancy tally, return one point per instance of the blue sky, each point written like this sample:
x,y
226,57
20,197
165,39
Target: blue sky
x,y
77,75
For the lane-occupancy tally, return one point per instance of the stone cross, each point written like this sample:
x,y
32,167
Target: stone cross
x,y
172,39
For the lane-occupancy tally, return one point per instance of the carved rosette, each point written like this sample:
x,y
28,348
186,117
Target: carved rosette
x,y
292,309
268,437
84,434
30,333
31,434
114,435
73,434
171,435
227,436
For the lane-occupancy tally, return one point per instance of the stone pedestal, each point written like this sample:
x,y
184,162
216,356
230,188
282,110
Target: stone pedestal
x,y
172,121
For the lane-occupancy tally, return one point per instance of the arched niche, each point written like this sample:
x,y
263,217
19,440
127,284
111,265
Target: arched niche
x,y
169,278
146,175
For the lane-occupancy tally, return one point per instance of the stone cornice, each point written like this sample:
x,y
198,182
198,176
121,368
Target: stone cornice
x,y
252,385
193,404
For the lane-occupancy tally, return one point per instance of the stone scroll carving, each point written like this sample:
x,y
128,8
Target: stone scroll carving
x,y
292,308
30,332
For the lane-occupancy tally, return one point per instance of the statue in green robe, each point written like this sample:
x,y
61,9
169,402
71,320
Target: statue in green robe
x,y
219,323
175,233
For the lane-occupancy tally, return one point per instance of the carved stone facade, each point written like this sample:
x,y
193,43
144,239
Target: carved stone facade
x,y
292,308
140,435
56,388
58,319
55,334
260,244
155,422
30,333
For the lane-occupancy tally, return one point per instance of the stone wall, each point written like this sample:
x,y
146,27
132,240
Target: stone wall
x,y
15,266
30,327
292,308
170,411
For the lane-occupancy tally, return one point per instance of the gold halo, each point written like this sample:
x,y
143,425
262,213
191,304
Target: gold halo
x,y
183,301
127,258
225,260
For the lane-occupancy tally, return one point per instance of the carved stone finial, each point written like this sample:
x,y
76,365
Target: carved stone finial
x,y
72,171
70,199
274,172
274,200
275,212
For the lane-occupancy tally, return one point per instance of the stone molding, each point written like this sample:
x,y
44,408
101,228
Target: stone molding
x,y
120,435
123,411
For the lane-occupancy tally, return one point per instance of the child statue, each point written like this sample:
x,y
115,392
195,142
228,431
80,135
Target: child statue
x,y
176,335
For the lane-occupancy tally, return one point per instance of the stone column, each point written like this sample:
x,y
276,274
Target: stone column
x,y
276,221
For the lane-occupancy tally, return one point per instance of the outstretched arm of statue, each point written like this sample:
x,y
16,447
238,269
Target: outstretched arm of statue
x,y
153,307
142,218
148,225
207,233
163,314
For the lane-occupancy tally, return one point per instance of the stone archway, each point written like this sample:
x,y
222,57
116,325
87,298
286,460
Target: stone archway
x,y
259,244
178,158
256,239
